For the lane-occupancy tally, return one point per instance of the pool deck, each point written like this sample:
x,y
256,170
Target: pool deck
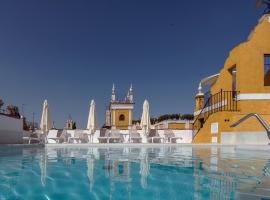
x,y
138,145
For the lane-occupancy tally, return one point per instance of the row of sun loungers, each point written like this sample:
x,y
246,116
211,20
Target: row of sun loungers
x,y
114,135
106,136
170,137
110,136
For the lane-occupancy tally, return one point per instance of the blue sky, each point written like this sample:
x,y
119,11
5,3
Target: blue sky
x,y
70,52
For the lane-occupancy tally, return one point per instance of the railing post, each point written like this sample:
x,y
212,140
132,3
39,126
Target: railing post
x,y
236,100
221,100
225,99
231,101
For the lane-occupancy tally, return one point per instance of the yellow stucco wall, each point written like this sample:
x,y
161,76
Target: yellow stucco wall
x,y
176,126
248,57
125,123
249,60
205,135
179,126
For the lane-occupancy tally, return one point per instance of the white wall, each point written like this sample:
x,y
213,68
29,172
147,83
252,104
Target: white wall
x,y
244,138
11,130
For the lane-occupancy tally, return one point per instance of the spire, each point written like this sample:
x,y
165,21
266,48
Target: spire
x,y
113,89
130,94
113,96
200,88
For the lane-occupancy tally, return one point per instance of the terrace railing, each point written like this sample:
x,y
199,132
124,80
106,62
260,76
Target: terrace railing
x,y
219,102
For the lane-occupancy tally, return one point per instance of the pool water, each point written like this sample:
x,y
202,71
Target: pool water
x,y
168,172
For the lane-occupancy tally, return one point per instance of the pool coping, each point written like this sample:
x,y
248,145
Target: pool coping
x,y
22,145
250,147
108,145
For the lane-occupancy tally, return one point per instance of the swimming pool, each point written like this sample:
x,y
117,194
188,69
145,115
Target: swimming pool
x,y
167,172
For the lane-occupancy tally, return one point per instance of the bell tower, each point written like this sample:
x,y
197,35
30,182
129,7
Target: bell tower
x,y
121,110
199,99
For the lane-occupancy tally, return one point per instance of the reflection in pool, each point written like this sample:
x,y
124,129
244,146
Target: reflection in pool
x,y
167,172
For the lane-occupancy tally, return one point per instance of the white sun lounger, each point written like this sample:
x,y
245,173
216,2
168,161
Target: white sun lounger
x,y
104,135
28,138
115,136
73,136
52,137
134,136
170,136
154,136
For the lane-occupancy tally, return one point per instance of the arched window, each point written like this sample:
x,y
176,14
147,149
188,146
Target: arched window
x,y
122,117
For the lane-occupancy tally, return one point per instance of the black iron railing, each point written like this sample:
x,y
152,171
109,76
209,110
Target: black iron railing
x,y
219,102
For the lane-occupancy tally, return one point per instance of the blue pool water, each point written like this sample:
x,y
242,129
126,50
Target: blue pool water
x,y
134,173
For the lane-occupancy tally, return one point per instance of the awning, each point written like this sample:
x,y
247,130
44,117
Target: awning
x,y
209,81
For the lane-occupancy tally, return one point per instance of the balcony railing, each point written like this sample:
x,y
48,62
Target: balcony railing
x,y
219,102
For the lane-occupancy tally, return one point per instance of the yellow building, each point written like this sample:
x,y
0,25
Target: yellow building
x,y
241,87
120,112
175,124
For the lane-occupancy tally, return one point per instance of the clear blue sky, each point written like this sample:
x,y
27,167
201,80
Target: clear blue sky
x,y
72,51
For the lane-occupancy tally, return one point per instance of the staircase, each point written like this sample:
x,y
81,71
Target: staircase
x,y
223,101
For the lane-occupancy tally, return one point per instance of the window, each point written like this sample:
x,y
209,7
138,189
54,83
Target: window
x,y
233,72
214,128
267,70
122,117
234,79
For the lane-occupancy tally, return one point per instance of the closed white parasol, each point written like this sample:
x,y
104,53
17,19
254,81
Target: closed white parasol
x,y
92,118
46,122
145,120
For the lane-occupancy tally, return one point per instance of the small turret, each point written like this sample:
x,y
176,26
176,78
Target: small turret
x,y
113,97
200,90
130,94
199,98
